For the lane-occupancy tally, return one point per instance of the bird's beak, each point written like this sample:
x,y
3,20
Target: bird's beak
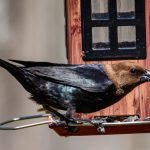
x,y
145,77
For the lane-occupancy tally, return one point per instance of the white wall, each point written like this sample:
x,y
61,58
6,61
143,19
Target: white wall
x,y
34,30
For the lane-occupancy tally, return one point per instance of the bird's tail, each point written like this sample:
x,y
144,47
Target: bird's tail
x,y
17,72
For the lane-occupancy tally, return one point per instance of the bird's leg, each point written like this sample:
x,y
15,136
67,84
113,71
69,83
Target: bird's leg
x,y
57,114
70,114
62,117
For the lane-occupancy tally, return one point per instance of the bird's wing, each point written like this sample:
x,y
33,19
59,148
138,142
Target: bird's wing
x,y
91,78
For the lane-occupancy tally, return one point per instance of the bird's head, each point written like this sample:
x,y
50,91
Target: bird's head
x,y
127,74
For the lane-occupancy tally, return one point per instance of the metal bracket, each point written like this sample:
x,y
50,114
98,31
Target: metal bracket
x,y
4,127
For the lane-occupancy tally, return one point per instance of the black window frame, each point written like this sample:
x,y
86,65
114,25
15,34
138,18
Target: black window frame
x,y
112,23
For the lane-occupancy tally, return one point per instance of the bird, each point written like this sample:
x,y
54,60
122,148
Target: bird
x,y
76,88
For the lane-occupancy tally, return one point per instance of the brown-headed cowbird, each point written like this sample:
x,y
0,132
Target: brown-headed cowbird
x,y
77,88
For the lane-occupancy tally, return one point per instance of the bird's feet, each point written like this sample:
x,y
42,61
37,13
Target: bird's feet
x,y
70,126
98,123
101,129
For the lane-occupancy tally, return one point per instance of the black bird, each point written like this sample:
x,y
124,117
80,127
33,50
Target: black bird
x,y
77,88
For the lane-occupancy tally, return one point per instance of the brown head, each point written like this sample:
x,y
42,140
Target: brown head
x,y
126,74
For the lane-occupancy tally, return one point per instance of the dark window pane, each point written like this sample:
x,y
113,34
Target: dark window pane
x,y
99,9
100,38
125,9
127,37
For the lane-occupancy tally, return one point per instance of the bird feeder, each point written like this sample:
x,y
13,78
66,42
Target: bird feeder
x,y
106,31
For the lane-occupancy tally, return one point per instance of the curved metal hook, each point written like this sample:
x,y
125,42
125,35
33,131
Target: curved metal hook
x,y
3,127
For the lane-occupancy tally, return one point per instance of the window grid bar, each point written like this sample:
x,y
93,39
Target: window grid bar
x,y
113,36
86,25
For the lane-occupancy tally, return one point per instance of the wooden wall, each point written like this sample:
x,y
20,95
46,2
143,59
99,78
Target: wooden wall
x,y
136,102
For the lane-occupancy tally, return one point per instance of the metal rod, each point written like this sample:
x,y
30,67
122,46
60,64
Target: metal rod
x,y
24,126
3,127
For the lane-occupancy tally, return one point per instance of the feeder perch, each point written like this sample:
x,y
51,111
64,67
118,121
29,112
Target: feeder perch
x,y
130,125
85,127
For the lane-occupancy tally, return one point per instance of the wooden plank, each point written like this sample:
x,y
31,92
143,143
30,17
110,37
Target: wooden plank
x,y
136,102
74,32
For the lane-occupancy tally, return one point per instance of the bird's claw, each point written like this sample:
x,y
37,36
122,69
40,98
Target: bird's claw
x,y
72,121
69,126
52,125
101,129
99,125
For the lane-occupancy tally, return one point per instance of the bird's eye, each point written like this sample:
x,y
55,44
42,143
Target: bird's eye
x,y
134,71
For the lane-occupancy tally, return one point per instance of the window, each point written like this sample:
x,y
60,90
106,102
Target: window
x,y
113,29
